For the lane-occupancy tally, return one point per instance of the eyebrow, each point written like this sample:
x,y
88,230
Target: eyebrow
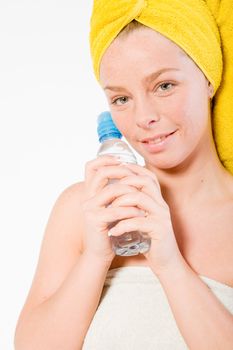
x,y
147,79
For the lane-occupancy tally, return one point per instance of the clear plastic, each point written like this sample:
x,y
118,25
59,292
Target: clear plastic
x,y
130,243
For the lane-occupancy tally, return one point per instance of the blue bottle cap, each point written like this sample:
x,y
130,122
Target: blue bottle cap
x,y
106,128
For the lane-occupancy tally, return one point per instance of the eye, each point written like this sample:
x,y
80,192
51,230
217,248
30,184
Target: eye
x,y
120,101
164,86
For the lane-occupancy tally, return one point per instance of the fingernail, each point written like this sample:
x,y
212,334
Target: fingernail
x,y
121,161
142,213
110,232
114,158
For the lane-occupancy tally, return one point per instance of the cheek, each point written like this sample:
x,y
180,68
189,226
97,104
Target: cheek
x,y
190,111
121,122
178,111
199,114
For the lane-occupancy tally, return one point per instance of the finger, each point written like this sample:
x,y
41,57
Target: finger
x,y
138,199
93,165
145,184
150,225
140,170
139,223
107,195
111,215
104,175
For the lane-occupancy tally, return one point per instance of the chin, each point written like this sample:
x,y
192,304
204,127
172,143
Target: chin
x,y
166,164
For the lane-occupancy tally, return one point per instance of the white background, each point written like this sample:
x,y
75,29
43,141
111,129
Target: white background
x,y
49,100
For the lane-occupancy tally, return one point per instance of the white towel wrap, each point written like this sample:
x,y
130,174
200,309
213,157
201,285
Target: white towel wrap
x,y
134,314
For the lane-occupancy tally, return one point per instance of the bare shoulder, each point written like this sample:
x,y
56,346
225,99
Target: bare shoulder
x,y
72,194
60,248
66,216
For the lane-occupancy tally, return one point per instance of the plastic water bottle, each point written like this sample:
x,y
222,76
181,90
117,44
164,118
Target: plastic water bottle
x,y
129,243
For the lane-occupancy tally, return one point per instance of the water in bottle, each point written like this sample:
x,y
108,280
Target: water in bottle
x,y
129,243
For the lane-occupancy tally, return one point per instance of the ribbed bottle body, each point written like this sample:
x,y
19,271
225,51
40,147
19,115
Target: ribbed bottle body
x,y
130,243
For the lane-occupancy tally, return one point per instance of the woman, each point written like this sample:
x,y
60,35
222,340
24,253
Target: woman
x,y
179,294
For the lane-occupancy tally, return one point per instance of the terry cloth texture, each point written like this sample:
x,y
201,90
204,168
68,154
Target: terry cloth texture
x,y
202,28
134,314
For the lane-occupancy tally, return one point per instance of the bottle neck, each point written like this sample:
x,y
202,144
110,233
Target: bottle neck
x,y
109,137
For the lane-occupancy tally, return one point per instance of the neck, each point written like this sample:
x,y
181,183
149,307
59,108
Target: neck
x,y
197,180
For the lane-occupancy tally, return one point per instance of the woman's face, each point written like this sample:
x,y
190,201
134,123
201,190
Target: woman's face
x,y
158,97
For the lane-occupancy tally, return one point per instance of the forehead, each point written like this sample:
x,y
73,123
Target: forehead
x,y
140,49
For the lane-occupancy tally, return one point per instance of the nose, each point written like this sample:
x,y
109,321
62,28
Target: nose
x,y
146,115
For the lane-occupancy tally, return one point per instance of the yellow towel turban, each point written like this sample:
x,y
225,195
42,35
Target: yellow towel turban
x,y
202,28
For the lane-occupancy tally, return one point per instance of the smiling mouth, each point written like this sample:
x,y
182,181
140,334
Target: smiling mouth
x,y
158,139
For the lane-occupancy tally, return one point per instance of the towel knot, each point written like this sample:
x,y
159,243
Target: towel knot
x,y
142,4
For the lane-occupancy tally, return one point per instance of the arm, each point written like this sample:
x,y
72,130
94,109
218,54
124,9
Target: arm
x,y
75,256
67,284
61,322
202,319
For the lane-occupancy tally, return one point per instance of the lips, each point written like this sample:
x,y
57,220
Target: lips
x,y
159,142
157,138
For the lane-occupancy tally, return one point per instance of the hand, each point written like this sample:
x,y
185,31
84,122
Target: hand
x,y
99,194
156,222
